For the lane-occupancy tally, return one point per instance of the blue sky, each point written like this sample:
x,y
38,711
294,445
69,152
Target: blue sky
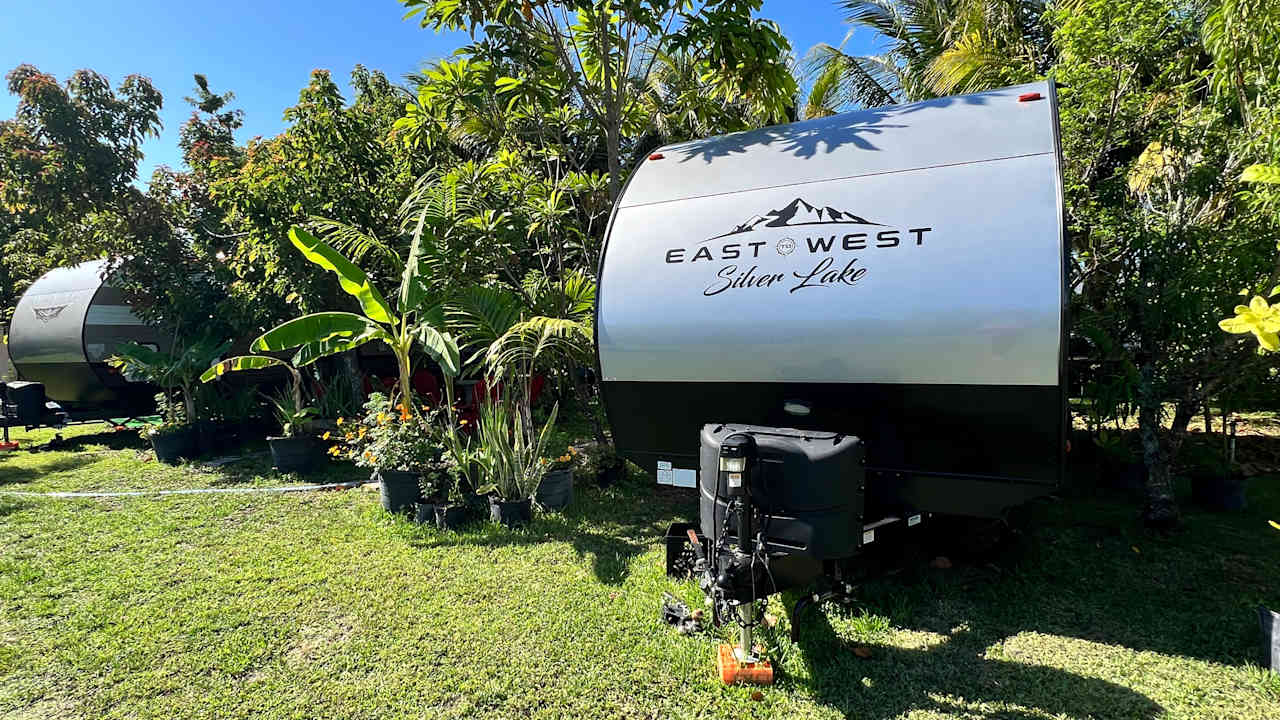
x,y
264,51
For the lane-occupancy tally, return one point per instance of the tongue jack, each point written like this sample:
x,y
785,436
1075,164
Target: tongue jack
x,y
741,664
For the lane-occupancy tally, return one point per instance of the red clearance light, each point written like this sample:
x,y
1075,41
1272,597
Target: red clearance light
x,y
656,156
1028,97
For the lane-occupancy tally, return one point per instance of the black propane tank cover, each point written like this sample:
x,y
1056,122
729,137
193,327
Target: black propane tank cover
x,y
809,483
27,399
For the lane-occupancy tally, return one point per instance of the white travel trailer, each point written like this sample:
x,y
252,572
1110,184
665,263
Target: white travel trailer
x,y
893,275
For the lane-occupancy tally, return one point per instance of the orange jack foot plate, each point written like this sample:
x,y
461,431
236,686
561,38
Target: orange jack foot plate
x,y
733,672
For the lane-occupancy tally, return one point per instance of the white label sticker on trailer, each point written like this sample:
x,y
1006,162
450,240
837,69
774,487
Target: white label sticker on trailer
x,y
868,537
913,521
686,478
665,474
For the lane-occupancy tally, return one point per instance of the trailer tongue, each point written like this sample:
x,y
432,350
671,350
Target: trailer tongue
x,y
860,319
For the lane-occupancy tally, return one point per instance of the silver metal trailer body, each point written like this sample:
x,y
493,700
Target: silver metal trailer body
x,y
897,273
65,327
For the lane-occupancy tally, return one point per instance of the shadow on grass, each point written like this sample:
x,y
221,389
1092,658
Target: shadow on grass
x,y
1084,569
10,505
897,681
611,526
10,475
107,438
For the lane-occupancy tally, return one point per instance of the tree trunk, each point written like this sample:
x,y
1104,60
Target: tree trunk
x,y
189,403
584,401
613,148
1161,508
351,375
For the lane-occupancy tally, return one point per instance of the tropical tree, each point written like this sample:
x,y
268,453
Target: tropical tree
x,y
584,54
68,159
1159,236
335,160
934,48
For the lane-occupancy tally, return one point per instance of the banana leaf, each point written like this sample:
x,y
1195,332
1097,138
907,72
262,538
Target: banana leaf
x,y
352,279
313,328
240,362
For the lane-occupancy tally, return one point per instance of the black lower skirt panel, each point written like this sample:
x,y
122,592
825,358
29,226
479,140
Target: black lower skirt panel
x,y
1003,443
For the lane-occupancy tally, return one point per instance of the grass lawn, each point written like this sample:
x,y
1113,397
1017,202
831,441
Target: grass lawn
x,y
319,605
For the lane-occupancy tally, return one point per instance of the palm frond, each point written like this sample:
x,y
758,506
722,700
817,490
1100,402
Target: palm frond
x,y
355,243
480,315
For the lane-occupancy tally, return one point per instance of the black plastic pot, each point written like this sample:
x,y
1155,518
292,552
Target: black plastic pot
x,y
425,513
612,474
172,447
1127,475
478,505
1214,492
555,492
511,514
452,517
292,454
1270,621
400,490
207,437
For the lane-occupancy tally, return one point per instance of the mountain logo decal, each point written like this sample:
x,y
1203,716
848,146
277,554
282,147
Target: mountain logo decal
x,y
797,212
45,314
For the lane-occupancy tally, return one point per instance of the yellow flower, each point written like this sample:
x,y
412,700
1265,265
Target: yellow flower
x,y
335,451
463,421
573,450
1258,317
326,435
363,430
351,436
383,418
341,420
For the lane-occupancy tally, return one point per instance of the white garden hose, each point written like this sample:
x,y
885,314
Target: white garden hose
x,y
190,491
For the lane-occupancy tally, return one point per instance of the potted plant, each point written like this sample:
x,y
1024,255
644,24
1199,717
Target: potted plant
x,y
1216,482
1118,466
555,492
510,453
294,449
451,510
175,372
173,439
1270,621
599,461
397,445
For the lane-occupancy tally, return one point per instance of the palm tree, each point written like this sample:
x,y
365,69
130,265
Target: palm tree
x,y
934,47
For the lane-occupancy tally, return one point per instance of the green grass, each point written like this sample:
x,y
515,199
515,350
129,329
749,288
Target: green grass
x,y
320,605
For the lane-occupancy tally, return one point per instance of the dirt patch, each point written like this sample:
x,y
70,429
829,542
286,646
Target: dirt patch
x,y
314,641
42,710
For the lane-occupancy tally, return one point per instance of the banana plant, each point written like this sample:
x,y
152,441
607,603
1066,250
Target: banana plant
x,y
414,318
